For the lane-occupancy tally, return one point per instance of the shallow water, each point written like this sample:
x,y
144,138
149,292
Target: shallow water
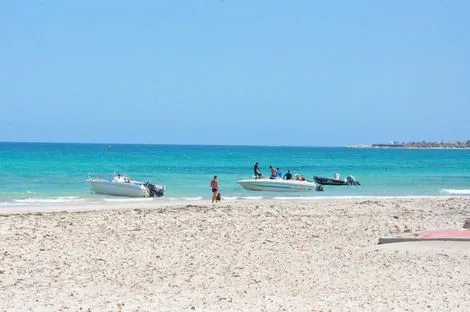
x,y
46,172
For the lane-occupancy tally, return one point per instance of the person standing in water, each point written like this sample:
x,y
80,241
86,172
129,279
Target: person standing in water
x,y
215,189
273,172
256,171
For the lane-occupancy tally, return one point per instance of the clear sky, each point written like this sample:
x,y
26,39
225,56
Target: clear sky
x,y
245,72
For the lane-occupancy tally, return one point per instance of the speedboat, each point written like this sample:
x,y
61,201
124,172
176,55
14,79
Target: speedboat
x,y
350,180
278,185
121,185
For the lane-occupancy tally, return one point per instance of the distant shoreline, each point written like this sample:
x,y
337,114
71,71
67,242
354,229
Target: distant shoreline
x,y
394,146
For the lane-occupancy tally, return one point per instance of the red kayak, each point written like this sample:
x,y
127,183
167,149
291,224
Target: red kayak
x,y
442,235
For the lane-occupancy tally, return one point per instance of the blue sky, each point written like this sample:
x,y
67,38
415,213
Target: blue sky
x,y
315,73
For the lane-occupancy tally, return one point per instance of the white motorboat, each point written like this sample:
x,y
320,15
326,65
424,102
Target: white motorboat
x,y
278,185
121,185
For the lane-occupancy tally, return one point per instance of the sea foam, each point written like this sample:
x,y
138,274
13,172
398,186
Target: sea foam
x,y
127,199
252,197
456,192
193,198
51,200
229,197
295,197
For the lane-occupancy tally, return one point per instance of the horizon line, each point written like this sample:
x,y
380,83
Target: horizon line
x,y
174,144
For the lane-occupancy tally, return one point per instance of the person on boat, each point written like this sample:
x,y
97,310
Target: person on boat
x,y
215,189
273,172
256,171
288,175
337,176
119,178
279,174
299,177
351,180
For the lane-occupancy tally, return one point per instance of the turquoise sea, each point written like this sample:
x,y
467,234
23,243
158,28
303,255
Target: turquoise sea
x,y
53,172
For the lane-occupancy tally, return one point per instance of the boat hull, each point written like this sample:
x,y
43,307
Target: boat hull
x,y
118,188
277,185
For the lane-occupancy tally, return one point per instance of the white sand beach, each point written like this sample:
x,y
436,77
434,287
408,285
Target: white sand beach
x,y
243,255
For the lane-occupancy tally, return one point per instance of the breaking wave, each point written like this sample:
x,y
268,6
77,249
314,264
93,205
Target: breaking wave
x,y
456,192
126,199
50,200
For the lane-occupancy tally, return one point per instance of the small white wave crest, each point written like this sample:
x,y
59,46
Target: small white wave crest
x,y
295,197
229,197
66,199
456,192
128,199
252,197
193,198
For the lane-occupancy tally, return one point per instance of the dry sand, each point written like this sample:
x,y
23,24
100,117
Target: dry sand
x,y
267,255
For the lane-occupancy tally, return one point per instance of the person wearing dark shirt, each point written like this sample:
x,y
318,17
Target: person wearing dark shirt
x,y
256,171
288,175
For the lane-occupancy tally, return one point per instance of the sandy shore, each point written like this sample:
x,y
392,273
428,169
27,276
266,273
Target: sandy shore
x,y
237,256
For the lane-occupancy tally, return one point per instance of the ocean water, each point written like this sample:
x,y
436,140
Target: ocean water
x,y
53,172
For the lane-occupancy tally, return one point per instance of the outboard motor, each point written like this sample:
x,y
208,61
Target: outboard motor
x,y
155,190
351,180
